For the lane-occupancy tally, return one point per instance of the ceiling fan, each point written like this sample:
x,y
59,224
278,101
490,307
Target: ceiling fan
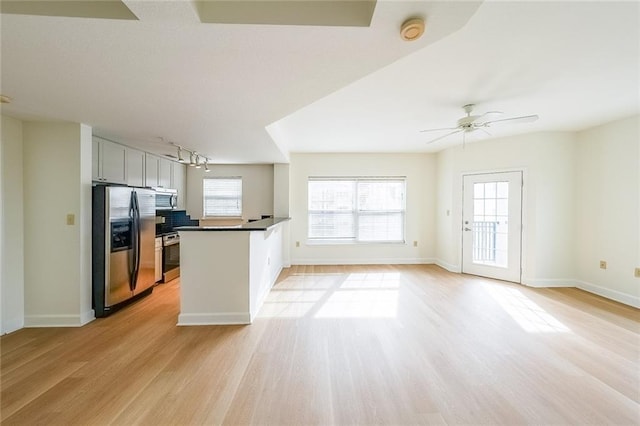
x,y
472,123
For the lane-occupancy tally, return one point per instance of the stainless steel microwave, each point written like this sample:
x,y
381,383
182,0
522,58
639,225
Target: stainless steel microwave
x,y
166,199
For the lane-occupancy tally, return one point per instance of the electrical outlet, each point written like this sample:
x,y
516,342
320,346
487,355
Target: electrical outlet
x,y
637,273
603,264
71,219
415,244
297,243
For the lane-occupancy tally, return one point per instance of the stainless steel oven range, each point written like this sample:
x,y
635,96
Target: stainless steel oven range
x,y
170,256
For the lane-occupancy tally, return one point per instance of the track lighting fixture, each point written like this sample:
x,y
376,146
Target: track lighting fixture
x,y
195,159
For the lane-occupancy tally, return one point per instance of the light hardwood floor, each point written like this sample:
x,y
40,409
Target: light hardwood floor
x,y
340,345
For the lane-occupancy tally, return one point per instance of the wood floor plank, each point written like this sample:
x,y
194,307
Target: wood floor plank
x,y
334,345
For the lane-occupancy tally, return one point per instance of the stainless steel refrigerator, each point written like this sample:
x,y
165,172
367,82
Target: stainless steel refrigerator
x,y
123,246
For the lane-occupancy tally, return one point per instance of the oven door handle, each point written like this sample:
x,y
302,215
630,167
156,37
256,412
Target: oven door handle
x,y
171,243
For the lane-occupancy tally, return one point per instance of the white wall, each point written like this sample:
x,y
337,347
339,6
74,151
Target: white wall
x,y
257,188
607,225
57,182
548,207
281,207
265,264
12,247
420,209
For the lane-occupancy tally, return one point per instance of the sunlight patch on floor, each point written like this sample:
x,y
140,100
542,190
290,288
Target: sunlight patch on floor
x,y
531,317
360,304
359,295
375,280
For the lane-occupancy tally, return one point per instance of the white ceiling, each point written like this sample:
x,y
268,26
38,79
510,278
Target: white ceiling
x,y
253,93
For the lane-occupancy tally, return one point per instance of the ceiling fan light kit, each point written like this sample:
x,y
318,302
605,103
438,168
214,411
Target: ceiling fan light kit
x,y
412,29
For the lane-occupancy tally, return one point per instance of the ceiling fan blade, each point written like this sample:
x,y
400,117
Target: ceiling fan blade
x,y
437,130
523,119
444,136
491,114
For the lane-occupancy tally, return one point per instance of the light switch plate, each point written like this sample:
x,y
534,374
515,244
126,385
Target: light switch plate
x,y
71,219
603,264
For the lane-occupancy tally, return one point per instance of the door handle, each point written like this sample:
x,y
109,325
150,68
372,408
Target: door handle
x,y
467,229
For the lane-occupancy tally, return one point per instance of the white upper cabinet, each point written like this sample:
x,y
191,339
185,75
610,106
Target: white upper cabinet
x,y
179,182
164,173
152,167
135,167
115,163
108,161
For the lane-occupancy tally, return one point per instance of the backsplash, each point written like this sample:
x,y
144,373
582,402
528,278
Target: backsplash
x,y
172,219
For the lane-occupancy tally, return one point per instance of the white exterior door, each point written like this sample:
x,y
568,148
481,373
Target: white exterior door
x,y
492,225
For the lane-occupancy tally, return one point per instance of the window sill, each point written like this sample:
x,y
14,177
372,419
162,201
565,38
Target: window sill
x,y
351,243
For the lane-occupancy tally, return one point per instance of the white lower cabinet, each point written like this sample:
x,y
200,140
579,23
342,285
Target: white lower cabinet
x,y
158,259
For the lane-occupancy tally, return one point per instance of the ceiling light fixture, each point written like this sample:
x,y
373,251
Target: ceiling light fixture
x,y
195,160
412,29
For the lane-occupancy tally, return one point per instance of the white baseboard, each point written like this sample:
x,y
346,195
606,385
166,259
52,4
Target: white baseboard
x,y
87,317
618,296
229,318
448,266
11,325
549,282
32,321
370,261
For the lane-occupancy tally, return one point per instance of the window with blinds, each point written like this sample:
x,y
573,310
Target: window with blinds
x,y
356,209
222,196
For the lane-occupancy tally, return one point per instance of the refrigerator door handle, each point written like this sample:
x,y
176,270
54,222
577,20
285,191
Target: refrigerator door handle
x,y
134,242
137,240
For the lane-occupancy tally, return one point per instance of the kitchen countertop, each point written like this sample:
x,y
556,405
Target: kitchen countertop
x,y
258,225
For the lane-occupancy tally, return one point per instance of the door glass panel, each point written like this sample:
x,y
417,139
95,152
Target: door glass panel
x,y
490,224
503,189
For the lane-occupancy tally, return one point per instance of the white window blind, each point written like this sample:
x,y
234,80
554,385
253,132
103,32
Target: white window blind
x,y
222,196
356,209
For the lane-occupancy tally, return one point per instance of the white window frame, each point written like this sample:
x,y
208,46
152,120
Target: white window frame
x,y
204,197
357,213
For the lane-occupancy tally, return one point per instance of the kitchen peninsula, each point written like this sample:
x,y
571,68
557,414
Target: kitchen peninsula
x,y
227,271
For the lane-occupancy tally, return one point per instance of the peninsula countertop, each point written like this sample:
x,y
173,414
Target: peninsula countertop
x,y
258,225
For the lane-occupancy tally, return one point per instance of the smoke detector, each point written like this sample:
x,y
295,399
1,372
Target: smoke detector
x,y
412,29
